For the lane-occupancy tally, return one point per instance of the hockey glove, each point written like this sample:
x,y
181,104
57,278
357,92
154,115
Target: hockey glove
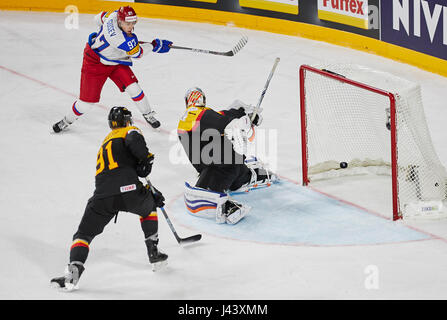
x,y
158,198
144,168
161,46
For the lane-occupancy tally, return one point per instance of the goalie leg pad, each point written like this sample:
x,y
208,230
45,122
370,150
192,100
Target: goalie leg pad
x,y
205,203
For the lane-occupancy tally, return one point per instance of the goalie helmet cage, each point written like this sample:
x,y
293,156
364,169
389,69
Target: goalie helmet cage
x,y
349,126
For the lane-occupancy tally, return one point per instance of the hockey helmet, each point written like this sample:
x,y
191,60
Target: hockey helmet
x,y
195,97
119,117
127,14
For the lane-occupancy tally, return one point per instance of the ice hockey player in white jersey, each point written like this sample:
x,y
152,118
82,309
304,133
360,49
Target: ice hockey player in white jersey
x,y
108,54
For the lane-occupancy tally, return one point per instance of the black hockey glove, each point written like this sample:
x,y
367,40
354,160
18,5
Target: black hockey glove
x,y
144,168
158,198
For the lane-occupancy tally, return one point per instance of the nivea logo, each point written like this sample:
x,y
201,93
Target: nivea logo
x,y
433,17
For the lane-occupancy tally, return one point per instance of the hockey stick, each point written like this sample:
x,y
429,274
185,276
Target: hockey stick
x,y
265,89
241,43
180,240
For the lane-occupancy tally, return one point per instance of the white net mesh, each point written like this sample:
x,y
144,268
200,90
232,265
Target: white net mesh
x,y
345,123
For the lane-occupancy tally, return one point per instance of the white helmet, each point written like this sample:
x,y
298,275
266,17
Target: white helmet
x,y
195,97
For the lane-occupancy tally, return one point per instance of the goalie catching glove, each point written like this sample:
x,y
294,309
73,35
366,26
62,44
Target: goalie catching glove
x,y
144,168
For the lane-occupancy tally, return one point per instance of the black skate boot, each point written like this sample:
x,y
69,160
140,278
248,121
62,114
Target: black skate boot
x,y
151,119
156,257
61,125
71,278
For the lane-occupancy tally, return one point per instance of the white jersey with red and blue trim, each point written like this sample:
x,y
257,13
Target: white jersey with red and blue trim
x,y
111,43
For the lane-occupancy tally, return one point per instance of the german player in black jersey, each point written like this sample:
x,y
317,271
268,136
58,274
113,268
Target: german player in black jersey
x,y
122,158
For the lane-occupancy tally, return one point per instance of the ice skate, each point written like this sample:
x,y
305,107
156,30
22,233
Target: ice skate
x,y
149,117
61,125
157,258
70,280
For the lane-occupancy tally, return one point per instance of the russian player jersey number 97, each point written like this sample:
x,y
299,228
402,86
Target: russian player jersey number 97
x,y
102,38
100,163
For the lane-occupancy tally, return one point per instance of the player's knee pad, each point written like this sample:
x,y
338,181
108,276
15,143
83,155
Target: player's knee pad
x,y
205,203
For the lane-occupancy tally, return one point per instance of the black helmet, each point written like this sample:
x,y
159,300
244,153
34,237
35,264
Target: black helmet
x,y
119,117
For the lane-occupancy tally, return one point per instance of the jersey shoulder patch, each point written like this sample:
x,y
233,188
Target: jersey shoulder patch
x,y
130,43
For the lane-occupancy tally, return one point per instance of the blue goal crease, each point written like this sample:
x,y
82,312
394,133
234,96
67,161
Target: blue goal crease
x,y
286,213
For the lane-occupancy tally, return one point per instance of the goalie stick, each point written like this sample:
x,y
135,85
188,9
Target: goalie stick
x,y
241,43
265,89
180,240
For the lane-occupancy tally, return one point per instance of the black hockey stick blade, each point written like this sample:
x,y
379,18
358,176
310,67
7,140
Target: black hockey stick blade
x,y
190,239
238,47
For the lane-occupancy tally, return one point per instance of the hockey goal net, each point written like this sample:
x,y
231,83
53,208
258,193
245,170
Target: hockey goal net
x,y
358,121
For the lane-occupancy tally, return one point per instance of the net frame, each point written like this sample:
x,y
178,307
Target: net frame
x,y
397,213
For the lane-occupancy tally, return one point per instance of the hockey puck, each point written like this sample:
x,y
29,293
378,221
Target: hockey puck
x,y
343,165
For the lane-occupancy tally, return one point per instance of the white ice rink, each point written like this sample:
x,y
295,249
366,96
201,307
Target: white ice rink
x,y
46,178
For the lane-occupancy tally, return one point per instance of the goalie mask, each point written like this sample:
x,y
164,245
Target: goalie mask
x,y
119,117
195,97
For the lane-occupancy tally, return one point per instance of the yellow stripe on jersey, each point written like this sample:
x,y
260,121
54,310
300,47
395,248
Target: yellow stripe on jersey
x,y
191,118
120,133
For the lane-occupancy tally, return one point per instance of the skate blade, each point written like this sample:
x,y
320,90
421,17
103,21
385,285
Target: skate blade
x,y
159,265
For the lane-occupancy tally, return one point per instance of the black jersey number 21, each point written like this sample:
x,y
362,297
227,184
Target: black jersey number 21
x,y
100,163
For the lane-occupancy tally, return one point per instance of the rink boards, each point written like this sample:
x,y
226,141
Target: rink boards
x,y
286,213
